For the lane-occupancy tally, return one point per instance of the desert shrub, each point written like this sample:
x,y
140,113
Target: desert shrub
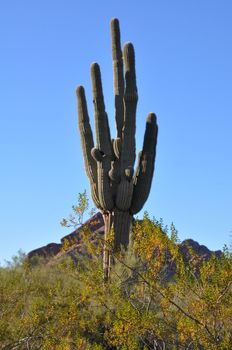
x,y
155,298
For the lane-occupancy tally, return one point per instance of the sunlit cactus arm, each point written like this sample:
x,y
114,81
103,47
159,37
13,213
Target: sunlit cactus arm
x,y
103,139
87,144
130,104
118,75
103,152
125,188
115,172
145,168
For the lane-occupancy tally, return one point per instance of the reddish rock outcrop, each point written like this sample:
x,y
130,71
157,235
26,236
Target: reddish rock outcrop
x,y
96,225
49,250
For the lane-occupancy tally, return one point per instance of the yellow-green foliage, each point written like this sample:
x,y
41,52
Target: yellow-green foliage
x,y
63,306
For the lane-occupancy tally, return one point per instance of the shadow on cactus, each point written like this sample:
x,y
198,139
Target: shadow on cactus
x,y
116,189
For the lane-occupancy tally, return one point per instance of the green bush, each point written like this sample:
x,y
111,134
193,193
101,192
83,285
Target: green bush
x,y
60,304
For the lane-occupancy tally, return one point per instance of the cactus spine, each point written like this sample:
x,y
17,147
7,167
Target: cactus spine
x,y
116,189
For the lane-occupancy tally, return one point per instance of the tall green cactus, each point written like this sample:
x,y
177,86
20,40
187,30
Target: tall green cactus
x,y
116,189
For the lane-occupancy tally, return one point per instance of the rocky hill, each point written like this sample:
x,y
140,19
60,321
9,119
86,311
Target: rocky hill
x,y
96,225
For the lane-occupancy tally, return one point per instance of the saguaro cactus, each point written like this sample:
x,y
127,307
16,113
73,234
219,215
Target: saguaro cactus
x,y
116,189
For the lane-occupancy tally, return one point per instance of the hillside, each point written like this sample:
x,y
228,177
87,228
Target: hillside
x,y
96,226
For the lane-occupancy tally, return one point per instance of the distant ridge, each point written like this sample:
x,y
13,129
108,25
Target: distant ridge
x,y
96,225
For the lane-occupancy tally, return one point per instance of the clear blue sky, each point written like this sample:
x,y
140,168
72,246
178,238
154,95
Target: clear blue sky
x,y
184,74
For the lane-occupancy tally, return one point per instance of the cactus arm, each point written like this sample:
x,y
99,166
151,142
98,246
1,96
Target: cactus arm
x,y
130,103
115,172
103,153
103,139
118,75
87,143
145,168
125,187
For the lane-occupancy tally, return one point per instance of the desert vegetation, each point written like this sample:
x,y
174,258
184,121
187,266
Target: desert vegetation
x,y
155,298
